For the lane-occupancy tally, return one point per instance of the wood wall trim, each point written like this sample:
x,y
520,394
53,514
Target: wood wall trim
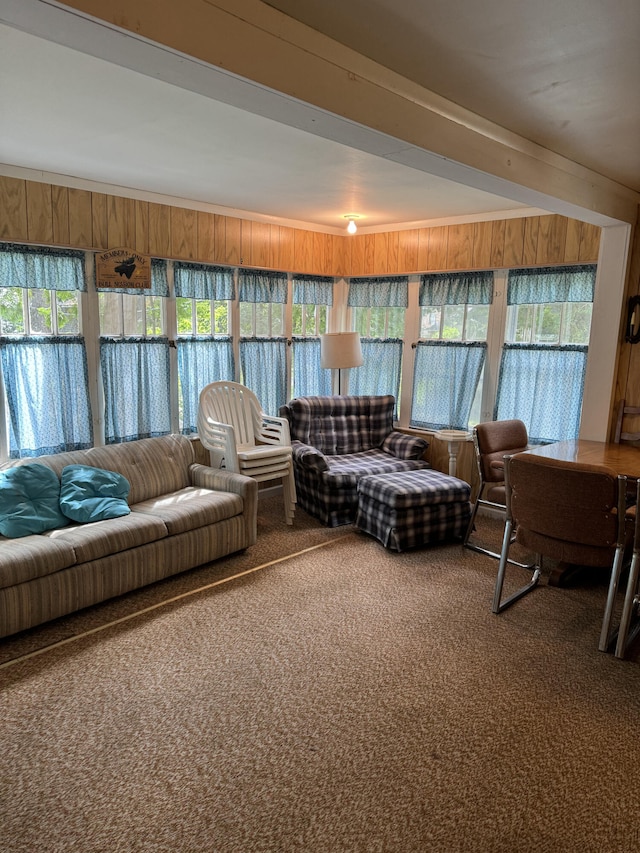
x,y
33,212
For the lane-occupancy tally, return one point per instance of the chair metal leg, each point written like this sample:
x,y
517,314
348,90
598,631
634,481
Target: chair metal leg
x,y
627,633
498,604
480,549
607,634
470,526
625,636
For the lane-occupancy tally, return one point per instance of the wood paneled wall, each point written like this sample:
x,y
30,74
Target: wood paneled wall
x,y
32,212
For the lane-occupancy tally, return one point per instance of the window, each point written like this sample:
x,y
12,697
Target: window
x,y
134,357
312,298
204,294
263,295
36,311
46,407
131,315
544,357
263,346
451,352
549,323
378,313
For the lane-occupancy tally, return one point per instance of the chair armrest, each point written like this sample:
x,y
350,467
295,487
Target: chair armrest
x,y
309,457
404,446
495,461
220,440
221,480
273,430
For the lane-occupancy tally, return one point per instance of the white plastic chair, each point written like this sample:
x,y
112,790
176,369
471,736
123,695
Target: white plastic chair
x,y
242,438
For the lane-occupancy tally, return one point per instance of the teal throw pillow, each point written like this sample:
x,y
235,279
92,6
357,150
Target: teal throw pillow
x,y
29,500
93,494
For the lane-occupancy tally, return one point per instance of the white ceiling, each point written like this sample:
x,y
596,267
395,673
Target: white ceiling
x,y
565,75
72,116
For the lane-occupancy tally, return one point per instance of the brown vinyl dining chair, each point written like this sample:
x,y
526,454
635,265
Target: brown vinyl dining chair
x,y
629,620
568,512
493,440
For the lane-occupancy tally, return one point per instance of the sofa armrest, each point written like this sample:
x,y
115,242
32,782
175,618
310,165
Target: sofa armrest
x,y
404,446
308,457
221,480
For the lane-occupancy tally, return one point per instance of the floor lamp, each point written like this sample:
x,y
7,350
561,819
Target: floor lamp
x,y
339,350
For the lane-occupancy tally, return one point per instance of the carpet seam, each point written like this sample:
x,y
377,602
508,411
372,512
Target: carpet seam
x,y
59,643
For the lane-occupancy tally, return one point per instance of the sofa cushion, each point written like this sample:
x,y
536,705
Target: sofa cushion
x,y
190,508
31,557
29,500
93,494
153,466
102,538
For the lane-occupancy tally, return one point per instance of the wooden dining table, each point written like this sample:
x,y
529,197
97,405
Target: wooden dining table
x,y
621,458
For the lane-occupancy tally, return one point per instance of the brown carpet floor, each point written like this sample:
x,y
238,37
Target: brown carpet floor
x,y
276,540
347,699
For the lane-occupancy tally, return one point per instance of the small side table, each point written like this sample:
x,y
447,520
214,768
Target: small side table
x,y
453,437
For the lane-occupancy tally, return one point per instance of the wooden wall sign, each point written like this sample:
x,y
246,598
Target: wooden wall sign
x,y
123,268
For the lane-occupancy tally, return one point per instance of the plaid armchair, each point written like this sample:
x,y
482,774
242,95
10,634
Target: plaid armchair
x,y
337,440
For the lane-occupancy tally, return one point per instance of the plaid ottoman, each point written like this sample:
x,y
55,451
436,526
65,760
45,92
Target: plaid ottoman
x,y
409,508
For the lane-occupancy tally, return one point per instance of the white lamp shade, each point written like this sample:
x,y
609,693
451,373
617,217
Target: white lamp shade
x,y
340,349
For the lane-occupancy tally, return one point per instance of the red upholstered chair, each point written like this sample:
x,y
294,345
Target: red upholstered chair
x,y
493,440
568,512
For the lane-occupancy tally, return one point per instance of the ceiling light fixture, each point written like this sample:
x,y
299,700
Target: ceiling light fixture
x,y
352,227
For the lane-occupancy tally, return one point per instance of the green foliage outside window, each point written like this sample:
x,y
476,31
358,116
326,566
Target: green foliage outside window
x,y
49,312
379,322
205,324
553,323
11,311
308,320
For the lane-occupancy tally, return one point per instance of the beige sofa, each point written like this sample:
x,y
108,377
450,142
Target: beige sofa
x,y
183,514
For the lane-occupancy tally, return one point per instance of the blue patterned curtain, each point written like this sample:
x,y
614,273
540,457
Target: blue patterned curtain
x,y
47,392
538,383
391,292
551,284
309,378
203,281
262,286
380,373
45,378
445,380
312,290
263,360
201,361
468,288
447,373
542,385
135,376
263,368
39,267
